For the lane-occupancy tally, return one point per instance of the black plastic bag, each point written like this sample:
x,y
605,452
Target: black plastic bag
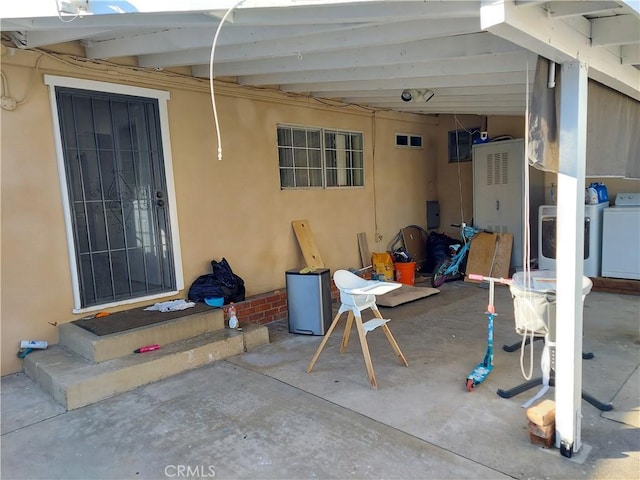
x,y
222,282
400,255
438,249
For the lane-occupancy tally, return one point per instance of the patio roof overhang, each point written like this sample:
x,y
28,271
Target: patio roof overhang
x,y
474,56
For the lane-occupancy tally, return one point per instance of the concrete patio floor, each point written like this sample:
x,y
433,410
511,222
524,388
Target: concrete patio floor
x,y
260,415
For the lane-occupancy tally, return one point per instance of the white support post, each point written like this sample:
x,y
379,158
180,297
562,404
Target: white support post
x,y
570,244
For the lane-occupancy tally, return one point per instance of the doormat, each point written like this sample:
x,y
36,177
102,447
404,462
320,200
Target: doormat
x,y
136,318
404,294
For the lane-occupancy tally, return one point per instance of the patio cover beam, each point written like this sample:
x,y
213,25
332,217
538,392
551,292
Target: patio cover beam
x,y
459,80
556,40
179,39
361,36
570,266
424,50
481,64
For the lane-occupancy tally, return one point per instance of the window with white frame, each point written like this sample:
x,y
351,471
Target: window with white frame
x,y
407,140
319,158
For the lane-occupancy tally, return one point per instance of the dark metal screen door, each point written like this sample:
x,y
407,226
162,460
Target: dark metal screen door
x,y
112,148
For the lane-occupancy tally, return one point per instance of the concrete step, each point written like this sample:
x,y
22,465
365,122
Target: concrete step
x,y
73,381
179,326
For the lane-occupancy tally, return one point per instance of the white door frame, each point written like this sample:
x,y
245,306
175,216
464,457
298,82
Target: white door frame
x,y
162,97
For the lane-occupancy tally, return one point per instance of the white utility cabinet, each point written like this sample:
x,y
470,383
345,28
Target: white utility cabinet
x,y
498,193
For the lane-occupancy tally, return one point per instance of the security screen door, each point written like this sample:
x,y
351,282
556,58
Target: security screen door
x,y
117,195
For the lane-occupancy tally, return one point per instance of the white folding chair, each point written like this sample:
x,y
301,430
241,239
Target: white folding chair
x,y
356,295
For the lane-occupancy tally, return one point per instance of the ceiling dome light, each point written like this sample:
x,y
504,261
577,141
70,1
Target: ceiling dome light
x,y
406,96
416,95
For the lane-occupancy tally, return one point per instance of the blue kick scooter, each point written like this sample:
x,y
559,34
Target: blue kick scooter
x,y
483,369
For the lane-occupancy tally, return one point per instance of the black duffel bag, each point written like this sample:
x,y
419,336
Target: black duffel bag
x,y
438,249
220,283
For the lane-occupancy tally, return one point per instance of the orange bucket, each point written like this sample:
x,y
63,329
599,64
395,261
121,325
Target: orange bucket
x,y
406,272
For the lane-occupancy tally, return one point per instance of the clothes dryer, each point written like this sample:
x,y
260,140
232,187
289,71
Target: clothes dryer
x,y
593,214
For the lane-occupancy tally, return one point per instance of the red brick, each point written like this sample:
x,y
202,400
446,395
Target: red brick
x,y
544,431
256,317
544,435
269,306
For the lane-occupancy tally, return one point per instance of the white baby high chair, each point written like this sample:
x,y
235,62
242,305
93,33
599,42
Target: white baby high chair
x,y
356,295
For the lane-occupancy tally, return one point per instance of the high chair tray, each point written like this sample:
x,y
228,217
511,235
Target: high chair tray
x,y
375,287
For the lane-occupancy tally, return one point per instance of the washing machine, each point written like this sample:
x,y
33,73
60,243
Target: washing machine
x,y
593,219
621,238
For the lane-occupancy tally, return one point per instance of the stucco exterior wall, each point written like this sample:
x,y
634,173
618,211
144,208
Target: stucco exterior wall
x,y
232,208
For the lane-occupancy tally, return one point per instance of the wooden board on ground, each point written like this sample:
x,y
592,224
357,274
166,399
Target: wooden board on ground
x,y
502,263
481,255
490,255
404,294
365,254
307,244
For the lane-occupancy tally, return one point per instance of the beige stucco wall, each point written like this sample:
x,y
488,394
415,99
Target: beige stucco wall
x,y
232,208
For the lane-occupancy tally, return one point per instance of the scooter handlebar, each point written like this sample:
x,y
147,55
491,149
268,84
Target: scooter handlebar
x,y
482,278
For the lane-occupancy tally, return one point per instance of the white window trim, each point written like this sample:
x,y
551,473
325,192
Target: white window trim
x,y
323,149
162,97
409,137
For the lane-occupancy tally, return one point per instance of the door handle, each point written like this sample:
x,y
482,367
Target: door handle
x,y
160,203
497,204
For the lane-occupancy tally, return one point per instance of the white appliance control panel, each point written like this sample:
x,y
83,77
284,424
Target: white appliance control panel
x,y
627,200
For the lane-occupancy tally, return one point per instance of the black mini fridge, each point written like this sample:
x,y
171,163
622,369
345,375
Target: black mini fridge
x,y
309,301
